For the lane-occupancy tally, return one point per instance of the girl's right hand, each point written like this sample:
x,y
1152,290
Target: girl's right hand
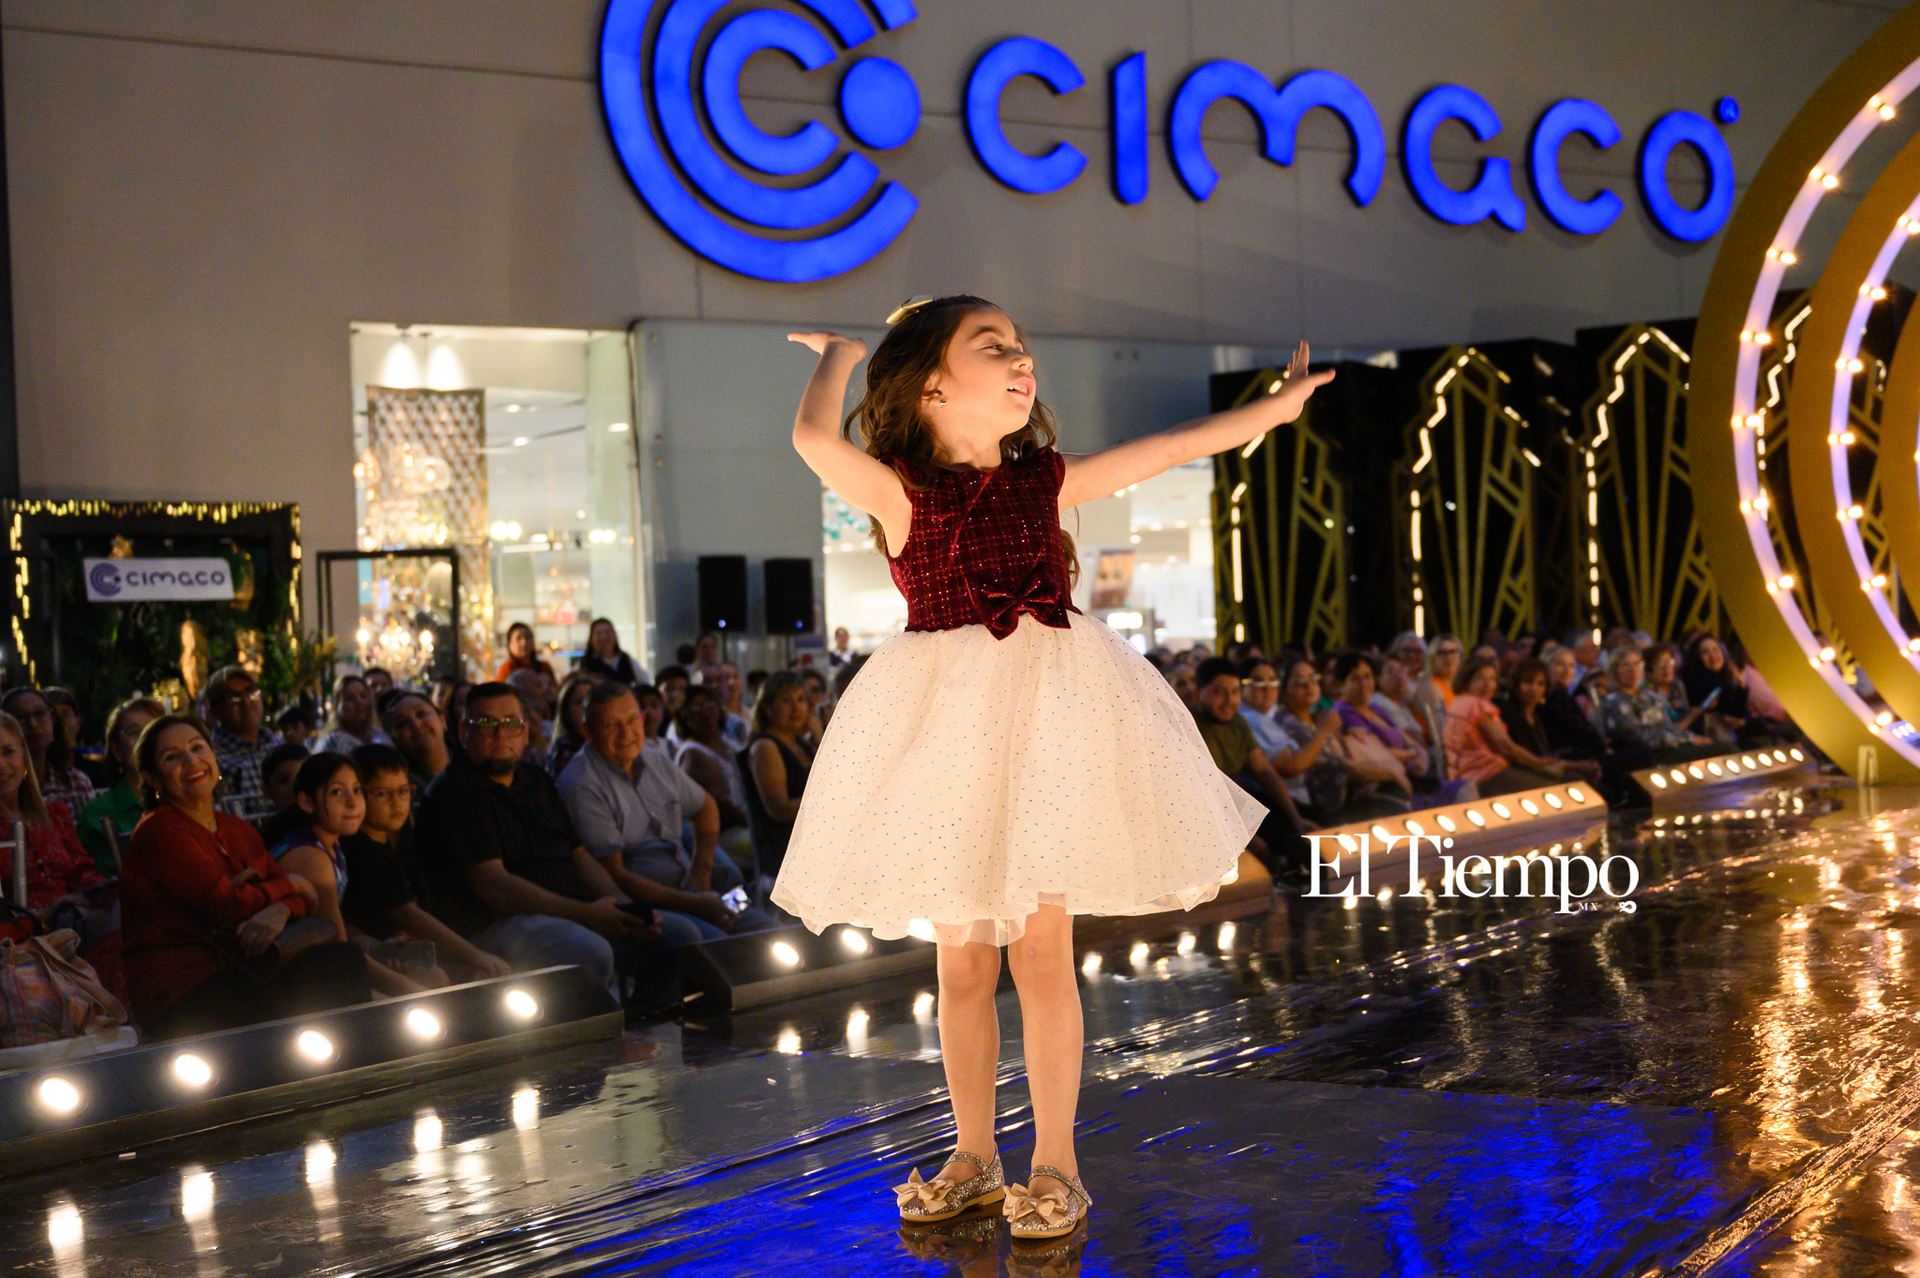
x,y
260,931
821,343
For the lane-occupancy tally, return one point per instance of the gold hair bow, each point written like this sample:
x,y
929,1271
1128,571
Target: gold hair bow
x,y
907,308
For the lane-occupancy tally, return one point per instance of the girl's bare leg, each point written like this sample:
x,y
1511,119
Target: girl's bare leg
x,y
1043,972
970,1047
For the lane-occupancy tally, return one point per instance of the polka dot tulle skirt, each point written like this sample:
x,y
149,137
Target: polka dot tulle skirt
x,y
964,781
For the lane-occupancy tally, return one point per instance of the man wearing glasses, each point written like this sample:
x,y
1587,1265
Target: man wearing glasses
x,y
240,738
509,872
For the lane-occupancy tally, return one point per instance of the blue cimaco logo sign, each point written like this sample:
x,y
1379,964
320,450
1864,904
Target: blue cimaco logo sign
x,y
806,206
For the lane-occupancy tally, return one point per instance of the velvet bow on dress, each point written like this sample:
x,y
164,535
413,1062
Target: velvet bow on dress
x,y
1041,594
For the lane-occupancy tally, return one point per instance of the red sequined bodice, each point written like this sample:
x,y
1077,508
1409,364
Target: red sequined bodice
x,y
984,547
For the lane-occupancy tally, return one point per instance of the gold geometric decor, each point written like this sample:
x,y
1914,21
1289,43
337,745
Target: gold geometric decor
x,y
1643,561
1465,491
1864,724
1279,530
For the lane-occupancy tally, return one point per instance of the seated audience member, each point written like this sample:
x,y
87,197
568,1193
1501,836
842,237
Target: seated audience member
x,y
1180,678
390,895
419,733
775,765
1634,714
628,804
1216,712
1586,650
1410,650
50,750
379,682
63,887
1380,755
1663,676
119,805
706,650
441,694
89,759
536,693
328,807
521,654
672,683
1707,673
1526,725
1306,751
686,655
756,680
352,724
192,873
724,678
707,757
1392,701
606,658
296,724
1478,746
277,774
822,705
1433,691
1594,688
238,710
570,719
508,871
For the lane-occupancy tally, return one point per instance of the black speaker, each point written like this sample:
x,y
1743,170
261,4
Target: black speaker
x,y
723,593
789,596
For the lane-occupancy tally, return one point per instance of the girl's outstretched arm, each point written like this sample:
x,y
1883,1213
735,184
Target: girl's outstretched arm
x,y
867,483
1112,469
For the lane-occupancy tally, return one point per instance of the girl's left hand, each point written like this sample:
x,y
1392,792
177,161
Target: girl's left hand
x,y
1298,386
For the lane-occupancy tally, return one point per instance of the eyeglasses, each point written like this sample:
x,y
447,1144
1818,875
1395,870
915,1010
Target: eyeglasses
x,y
1260,683
479,724
403,793
1446,652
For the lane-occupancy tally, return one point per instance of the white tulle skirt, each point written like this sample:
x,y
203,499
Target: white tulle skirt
x,y
964,781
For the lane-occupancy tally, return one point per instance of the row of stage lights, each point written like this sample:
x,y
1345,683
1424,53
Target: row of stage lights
x,y
1482,815
61,1098
1712,771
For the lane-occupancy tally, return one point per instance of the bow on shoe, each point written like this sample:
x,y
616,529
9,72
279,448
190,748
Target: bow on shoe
x,y
999,609
931,1195
1020,1203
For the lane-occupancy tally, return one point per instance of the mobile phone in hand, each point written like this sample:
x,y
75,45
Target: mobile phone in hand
x,y
639,909
1711,698
736,900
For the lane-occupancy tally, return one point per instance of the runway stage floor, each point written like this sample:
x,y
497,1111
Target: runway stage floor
x,y
1720,1082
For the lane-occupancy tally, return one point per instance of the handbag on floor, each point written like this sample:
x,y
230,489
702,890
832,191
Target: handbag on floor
x,y
48,992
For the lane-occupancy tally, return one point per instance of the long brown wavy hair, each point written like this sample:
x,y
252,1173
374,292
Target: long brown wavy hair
x,y
889,417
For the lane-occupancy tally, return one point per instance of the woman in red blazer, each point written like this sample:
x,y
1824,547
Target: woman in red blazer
x,y
191,874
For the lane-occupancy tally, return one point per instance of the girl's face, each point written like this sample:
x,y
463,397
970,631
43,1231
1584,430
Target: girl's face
x,y
1182,681
278,784
986,376
793,708
339,807
1712,655
600,639
1532,690
184,769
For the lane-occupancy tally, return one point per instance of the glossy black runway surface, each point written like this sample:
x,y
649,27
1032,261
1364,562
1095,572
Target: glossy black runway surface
x,y
1722,1081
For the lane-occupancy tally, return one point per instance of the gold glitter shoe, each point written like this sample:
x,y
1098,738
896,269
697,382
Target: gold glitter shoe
x,y
1046,1215
925,1201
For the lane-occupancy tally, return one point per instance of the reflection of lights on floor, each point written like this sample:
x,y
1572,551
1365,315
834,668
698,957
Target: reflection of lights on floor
x,y
1091,963
428,1132
319,1161
65,1232
1227,933
196,1195
857,1031
788,1041
1185,945
923,1004
526,1109
1138,954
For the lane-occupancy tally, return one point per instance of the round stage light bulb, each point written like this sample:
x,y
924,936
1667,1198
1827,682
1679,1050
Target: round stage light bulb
x,y
423,1024
786,954
1445,823
1714,768
522,1004
1797,756
1693,770
1884,718
314,1045
58,1095
1679,777
1530,807
1659,782
1747,759
1380,832
1554,801
1502,811
1474,816
192,1071
1413,827
854,941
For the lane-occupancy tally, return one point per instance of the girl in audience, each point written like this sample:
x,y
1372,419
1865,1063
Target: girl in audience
x,y
605,657
118,806
1008,762
328,807
51,750
1708,673
1527,728
777,762
191,873
352,724
521,654
707,757
570,719
1479,748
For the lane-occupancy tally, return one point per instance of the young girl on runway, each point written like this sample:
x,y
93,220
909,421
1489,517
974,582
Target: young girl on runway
x,y
1007,762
